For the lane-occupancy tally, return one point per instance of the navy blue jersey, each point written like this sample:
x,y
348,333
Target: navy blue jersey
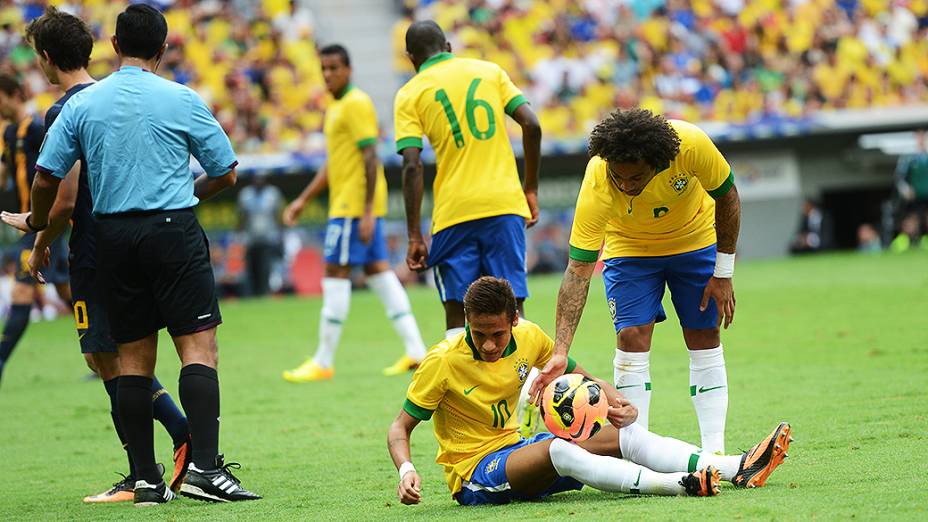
x,y
21,144
82,244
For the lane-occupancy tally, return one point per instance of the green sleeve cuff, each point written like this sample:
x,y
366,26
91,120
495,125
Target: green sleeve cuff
x,y
405,143
586,256
420,413
571,365
724,187
514,104
366,142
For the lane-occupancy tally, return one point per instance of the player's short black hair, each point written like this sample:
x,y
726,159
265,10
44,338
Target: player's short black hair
x,y
10,85
339,50
65,37
424,39
491,296
628,136
141,31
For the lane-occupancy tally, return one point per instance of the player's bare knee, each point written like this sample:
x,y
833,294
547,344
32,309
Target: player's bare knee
x,y
454,314
88,358
337,271
105,364
702,339
635,338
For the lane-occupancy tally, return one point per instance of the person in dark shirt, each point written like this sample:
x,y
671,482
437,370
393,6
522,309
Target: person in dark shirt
x,y
22,138
63,43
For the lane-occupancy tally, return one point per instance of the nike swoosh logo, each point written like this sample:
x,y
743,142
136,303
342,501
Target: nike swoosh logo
x,y
81,336
579,431
704,390
628,386
467,392
637,480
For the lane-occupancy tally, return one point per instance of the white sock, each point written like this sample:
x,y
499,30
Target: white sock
x,y
632,375
611,474
709,390
667,454
451,332
393,296
336,299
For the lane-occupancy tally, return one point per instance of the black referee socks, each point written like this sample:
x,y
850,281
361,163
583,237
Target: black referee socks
x,y
135,417
199,394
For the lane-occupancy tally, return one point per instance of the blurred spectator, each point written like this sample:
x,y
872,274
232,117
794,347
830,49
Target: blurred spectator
x,y
868,239
260,205
721,60
910,235
812,234
912,177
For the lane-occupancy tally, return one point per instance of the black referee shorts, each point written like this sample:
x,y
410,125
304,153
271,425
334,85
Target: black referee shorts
x,y
154,272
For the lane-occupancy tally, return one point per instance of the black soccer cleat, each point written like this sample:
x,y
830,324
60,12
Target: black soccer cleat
x,y
152,494
702,483
215,485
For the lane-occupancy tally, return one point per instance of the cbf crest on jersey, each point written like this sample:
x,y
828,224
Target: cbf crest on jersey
x,y
679,183
522,369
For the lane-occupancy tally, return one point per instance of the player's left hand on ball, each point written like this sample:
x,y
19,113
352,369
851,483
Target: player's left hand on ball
x,y
531,197
17,221
720,290
624,415
409,488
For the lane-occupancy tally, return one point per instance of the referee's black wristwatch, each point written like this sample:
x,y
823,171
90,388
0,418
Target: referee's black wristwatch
x,y
32,227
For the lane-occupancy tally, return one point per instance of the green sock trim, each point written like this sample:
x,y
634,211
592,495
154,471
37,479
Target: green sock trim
x,y
694,459
647,386
693,391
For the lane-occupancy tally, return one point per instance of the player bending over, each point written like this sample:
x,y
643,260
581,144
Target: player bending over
x,y
468,383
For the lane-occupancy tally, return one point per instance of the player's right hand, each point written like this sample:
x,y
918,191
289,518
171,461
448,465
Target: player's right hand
x,y
554,369
417,255
37,259
292,213
408,490
531,197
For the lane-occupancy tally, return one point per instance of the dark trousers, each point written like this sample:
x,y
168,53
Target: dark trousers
x,y
259,258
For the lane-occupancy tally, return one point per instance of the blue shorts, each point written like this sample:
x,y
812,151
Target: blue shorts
x,y
343,245
635,288
489,485
493,246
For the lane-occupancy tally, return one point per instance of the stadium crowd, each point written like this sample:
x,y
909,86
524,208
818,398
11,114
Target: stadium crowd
x,y
699,60
242,56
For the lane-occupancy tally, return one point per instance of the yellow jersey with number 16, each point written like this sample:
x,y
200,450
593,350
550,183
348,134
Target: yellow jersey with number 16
x,y
460,105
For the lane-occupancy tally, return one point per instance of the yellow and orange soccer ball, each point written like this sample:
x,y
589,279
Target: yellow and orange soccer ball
x,y
574,407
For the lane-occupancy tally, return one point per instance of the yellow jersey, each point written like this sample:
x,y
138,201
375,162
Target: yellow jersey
x,y
350,125
675,213
472,401
460,105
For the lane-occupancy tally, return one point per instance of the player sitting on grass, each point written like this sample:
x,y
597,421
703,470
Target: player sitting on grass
x,y
468,382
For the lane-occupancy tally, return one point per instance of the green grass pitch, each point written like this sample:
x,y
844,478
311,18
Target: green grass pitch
x,y
835,344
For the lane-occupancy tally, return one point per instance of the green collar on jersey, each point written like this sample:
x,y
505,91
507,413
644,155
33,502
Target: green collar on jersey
x,y
440,57
345,91
511,347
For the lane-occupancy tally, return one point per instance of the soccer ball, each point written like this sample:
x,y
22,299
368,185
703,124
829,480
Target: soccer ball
x,y
574,407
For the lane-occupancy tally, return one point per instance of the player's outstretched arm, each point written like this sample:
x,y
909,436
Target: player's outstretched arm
x,y
531,147
413,186
315,187
409,488
570,302
727,225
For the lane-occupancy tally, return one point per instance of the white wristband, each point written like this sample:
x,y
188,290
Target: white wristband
x,y
405,468
724,265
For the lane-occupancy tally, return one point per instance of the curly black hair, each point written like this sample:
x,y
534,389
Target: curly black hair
x,y
628,136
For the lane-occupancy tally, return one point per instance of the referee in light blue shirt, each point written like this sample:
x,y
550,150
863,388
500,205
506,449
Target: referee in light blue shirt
x,y
137,131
